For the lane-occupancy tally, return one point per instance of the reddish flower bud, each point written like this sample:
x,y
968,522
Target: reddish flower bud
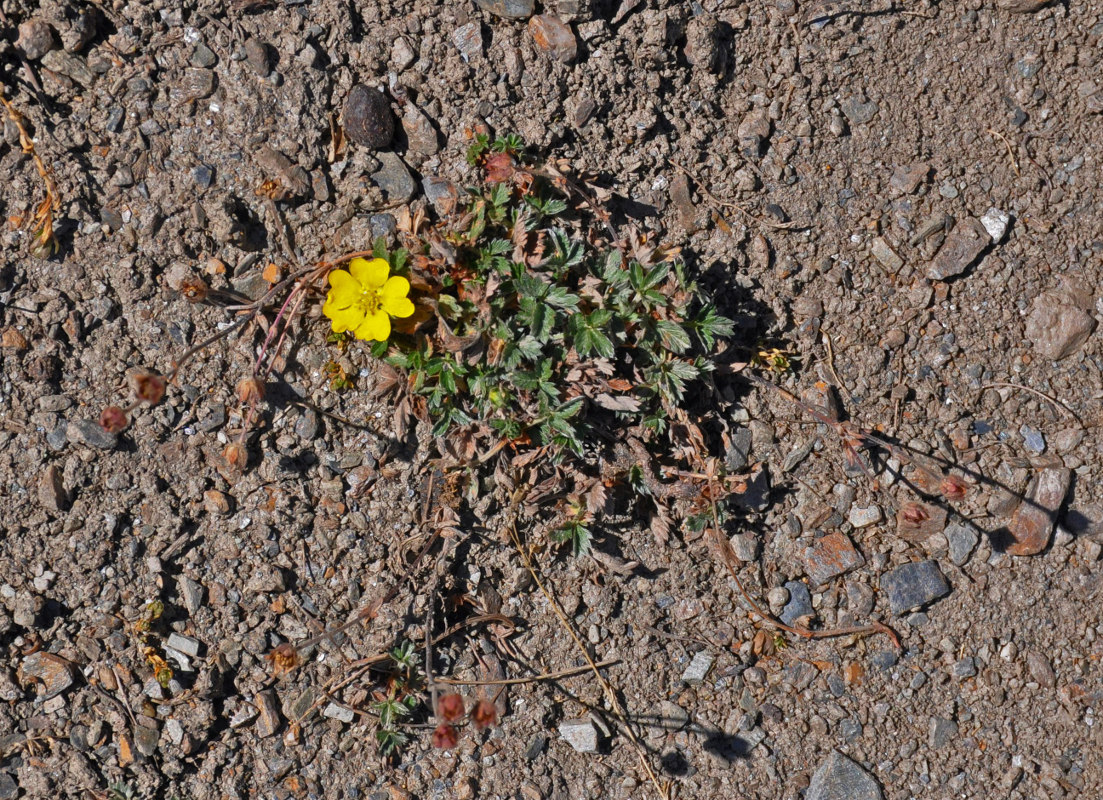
x,y
450,707
250,391
195,290
113,419
445,737
912,513
484,715
149,387
235,456
283,659
953,488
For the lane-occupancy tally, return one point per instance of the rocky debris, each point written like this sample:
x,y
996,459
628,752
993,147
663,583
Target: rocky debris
x,y
864,516
420,133
745,546
1022,6
187,645
830,556
916,522
51,490
941,732
52,672
258,56
510,9
274,165
402,54
753,132
962,539
468,39
1034,520
268,721
581,734
442,193
368,118
839,778
996,222
698,668
858,110
799,608
339,712
703,34
913,586
1056,328
69,65
885,255
683,203
1033,439
906,179
964,668
394,178
36,39
91,433
1040,669
81,30
962,247
554,37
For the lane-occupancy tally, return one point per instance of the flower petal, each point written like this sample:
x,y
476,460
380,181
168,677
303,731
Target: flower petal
x,y
345,290
376,326
371,274
400,307
395,287
344,319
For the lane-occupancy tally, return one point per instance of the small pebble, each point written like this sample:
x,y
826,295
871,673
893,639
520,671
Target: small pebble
x,y
581,734
839,777
864,516
698,668
554,37
36,38
995,222
339,713
913,585
468,39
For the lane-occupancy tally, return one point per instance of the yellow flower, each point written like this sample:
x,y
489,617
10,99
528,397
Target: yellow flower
x,y
364,299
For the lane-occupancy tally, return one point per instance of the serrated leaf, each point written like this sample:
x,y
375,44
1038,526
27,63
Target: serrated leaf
x,y
672,335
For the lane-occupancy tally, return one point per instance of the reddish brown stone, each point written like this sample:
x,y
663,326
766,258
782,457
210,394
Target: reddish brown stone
x,y
830,556
1032,525
554,36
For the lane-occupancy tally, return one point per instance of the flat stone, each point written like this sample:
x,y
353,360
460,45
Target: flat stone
x,y
839,778
996,222
799,606
859,112
203,56
258,57
51,490
1057,329
698,668
402,54
394,178
509,9
917,522
885,255
913,586
71,66
962,539
174,730
1033,439
554,37
339,713
268,722
368,118
145,740
830,556
745,546
191,593
964,668
420,133
442,193
53,672
468,39
906,179
1034,520
89,432
581,734
941,732
738,451
864,516
703,37
1040,670
962,247
185,644
195,85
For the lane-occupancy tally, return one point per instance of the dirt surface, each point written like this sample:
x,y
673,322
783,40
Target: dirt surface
x,y
826,166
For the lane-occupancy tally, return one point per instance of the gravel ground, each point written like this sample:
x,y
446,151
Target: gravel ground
x,y
905,200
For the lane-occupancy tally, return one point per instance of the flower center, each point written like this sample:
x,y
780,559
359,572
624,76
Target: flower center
x,y
370,301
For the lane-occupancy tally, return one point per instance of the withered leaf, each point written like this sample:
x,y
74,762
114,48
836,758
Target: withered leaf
x,y
622,403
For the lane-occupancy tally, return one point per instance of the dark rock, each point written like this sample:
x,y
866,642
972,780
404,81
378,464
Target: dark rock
x,y
830,556
510,9
443,194
961,248
839,778
8,787
145,739
1057,329
268,722
964,668
51,490
940,732
394,178
203,56
753,132
36,39
913,586
799,608
89,432
71,66
115,117
1032,524
82,30
961,540
554,37
203,175
258,57
367,117
859,112
583,111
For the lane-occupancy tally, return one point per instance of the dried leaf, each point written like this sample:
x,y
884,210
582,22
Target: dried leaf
x,y
271,273
622,403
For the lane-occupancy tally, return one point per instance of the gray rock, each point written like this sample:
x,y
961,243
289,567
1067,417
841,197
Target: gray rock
x,y
745,546
964,668
8,787
257,57
402,54
468,39
581,734
859,112
1033,439
443,194
145,739
864,516
995,222
839,778
269,718
394,178
185,644
174,730
69,65
203,56
884,254
698,668
82,30
940,732
36,38
962,247
339,713
420,133
739,449
89,432
799,605
961,540
914,585
368,118
510,9
1057,329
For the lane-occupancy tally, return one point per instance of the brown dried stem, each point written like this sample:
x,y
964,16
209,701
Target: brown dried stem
x,y
44,243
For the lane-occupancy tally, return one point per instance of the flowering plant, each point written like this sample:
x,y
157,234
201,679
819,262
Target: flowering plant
x,y
364,299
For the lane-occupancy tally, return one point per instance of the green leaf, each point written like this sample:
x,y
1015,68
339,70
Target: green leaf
x,y
672,335
559,297
575,534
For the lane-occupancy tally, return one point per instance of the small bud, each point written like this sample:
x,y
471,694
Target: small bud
x,y
235,456
283,659
195,290
113,419
913,514
953,488
250,391
450,707
445,737
484,715
149,387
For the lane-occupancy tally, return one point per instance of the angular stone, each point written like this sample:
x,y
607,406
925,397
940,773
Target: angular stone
x,y
1057,329
1040,670
940,732
916,522
145,739
258,57
268,722
830,556
913,586
510,9
442,193
36,38
753,132
581,734
864,516
839,778
745,546
53,672
468,39
906,179
1034,520
394,178
91,433
962,247
185,644
339,713
420,133
799,606
51,490
554,37
698,668
858,112
368,118
703,34
995,222
961,540
885,255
